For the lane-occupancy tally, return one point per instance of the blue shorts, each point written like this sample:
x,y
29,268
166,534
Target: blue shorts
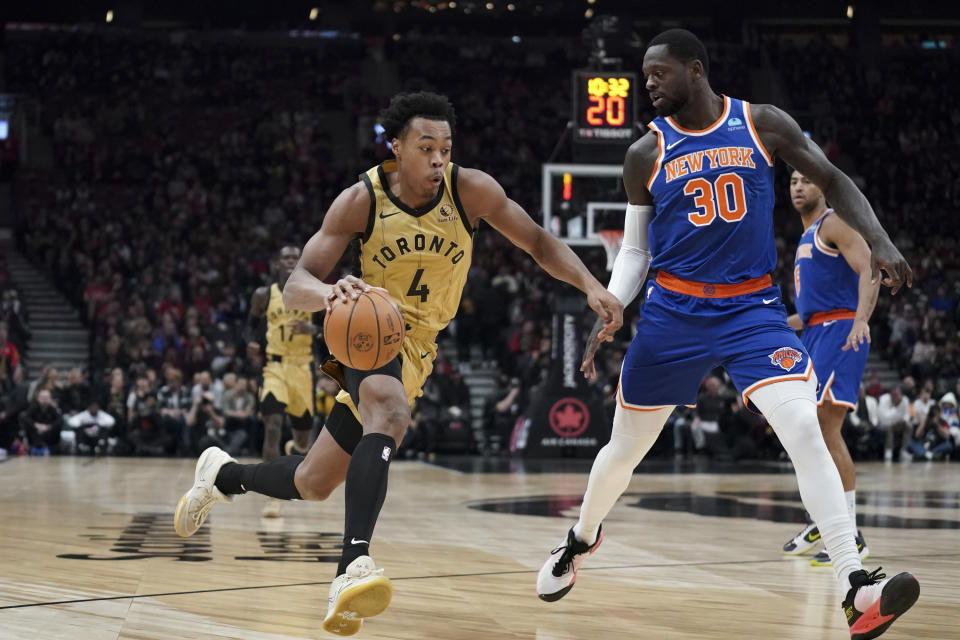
x,y
838,371
681,338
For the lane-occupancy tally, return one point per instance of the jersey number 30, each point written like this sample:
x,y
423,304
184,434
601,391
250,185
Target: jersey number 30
x,y
724,197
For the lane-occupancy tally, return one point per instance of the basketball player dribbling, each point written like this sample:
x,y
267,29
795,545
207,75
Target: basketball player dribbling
x,y
287,369
835,296
416,217
700,189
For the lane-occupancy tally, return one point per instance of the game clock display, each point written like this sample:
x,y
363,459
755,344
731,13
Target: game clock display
x,y
604,107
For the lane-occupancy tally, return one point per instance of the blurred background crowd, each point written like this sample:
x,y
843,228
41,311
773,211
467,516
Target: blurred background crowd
x,y
183,161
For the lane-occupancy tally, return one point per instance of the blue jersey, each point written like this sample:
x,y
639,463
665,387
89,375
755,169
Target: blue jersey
x,y
713,196
822,279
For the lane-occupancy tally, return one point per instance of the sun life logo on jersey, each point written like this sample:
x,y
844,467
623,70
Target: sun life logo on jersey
x,y
735,123
786,358
447,213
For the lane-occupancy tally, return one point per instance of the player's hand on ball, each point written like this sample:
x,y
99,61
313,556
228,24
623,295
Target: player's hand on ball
x,y
345,289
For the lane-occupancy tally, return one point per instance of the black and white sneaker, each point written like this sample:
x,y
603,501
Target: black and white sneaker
x,y
822,559
559,572
803,541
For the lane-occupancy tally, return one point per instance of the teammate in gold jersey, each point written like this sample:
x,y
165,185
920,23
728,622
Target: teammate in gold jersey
x,y
415,217
287,369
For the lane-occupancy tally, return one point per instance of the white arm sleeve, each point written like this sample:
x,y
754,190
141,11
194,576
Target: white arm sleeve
x,y
633,261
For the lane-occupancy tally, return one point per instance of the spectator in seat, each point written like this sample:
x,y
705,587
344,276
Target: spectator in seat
x,y
206,424
948,413
75,396
41,423
92,428
14,403
865,422
147,434
921,407
931,438
9,358
174,403
238,408
874,388
47,380
893,417
501,412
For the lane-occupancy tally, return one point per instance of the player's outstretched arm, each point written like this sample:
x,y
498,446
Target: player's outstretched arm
x,y
346,217
484,198
781,136
633,260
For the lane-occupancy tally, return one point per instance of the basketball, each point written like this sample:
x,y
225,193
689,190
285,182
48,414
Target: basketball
x,y
365,333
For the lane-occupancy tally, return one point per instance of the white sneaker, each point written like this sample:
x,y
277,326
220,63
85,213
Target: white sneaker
x,y
559,572
195,505
803,541
362,592
273,509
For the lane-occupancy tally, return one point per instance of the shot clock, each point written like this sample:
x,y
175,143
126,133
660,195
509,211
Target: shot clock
x,y
604,106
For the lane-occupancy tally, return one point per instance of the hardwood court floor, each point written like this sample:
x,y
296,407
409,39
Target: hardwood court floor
x,y
88,552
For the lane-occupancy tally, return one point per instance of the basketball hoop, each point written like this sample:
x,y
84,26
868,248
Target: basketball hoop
x,y
611,239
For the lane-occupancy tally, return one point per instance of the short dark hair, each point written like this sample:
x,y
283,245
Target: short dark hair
x,y
684,46
404,107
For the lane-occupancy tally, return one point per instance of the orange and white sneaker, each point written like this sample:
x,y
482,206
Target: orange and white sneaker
x,y
559,572
875,601
361,592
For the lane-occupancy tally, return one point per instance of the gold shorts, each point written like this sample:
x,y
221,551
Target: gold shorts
x,y
416,365
291,384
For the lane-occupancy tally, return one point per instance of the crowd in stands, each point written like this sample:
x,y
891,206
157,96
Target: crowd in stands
x,y
183,163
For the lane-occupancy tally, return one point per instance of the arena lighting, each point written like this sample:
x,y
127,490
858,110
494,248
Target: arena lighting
x,y
314,13
489,6
110,15
850,11
591,1
515,39
453,5
588,13
511,7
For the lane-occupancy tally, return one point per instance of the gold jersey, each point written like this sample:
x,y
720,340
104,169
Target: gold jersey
x,y
420,256
281,341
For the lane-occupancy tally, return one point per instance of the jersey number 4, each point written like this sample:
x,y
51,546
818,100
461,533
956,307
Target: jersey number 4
x,y
724,197
420,291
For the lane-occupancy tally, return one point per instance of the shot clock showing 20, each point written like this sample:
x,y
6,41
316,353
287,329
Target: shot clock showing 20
x,y
604,108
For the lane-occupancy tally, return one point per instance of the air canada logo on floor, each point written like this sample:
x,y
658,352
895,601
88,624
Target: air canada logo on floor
x,y
786,358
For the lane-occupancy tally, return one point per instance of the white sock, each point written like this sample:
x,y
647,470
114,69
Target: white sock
x,y
633,433
791,409
851,497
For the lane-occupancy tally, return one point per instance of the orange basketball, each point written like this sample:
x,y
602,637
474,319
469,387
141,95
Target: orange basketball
x,y
365,333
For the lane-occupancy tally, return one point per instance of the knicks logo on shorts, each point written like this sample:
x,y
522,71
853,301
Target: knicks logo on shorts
x,y
786,358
